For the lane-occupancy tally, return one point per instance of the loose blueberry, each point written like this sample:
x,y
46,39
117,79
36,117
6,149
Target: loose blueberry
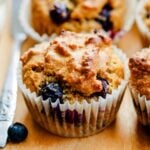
x,y
17,132
60,13
53,91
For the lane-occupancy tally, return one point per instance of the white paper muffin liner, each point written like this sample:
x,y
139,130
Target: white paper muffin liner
x,y
77,119
142,106
25,20
145,32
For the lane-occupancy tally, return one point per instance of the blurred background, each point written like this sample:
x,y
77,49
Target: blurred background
x,y
2,13
5,37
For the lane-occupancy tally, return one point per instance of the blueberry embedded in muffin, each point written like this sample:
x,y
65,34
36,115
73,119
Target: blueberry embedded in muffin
x,y
60,13
73,67
51,90
104,18
105,89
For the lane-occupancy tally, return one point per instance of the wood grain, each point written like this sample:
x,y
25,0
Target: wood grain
x,y
124,133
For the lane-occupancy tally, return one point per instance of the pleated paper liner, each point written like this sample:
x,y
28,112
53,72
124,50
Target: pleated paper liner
x,y
142,106
77,119
26,21
145,32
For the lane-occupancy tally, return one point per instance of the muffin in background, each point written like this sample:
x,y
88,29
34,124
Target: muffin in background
x,y
139,84
53,16
74,85
43,19
143,19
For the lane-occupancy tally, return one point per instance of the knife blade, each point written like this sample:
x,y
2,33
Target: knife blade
x,y
9,91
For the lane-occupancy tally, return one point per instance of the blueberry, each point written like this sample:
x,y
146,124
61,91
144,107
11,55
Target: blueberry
x,y
104,18
17,132
105,89
60,13
53,91
73,117
148,15
59,114
78,118
105,13
108,7
69,117
107,25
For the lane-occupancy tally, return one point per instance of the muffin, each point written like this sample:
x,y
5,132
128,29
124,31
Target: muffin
x,y
139,83
53,16
143,19
49,17
74,84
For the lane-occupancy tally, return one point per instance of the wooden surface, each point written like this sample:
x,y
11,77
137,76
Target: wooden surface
x,y
124,133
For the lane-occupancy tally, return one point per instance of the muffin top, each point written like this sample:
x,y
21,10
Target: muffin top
x,y
139,66
82,63
145,12
78,15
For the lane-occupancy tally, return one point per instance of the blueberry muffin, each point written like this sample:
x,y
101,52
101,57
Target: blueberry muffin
x,y
74,84
139,66
51,16
143,18
146,14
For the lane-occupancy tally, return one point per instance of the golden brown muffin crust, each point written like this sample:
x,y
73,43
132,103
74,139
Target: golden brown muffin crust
x,y
76,59
139,66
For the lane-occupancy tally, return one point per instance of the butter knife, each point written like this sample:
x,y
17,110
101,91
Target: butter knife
x,y
9,91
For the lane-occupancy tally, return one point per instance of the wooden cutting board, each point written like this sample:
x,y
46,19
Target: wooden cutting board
x,y
124,133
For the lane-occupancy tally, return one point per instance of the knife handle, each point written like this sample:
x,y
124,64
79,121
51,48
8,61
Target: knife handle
x,y
9,91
